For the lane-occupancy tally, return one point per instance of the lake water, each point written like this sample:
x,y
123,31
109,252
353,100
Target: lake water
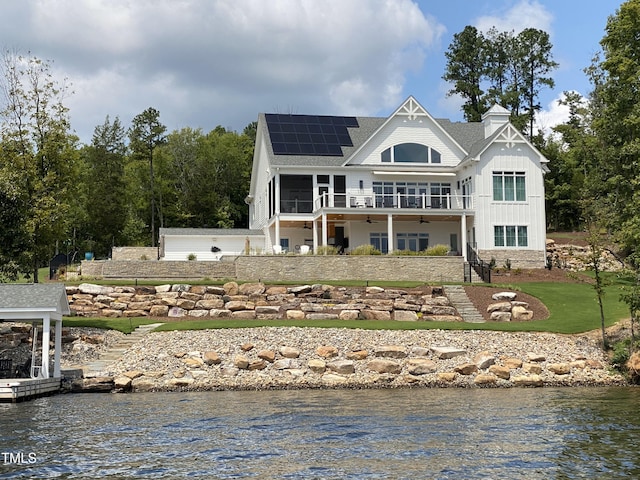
x,y
414,433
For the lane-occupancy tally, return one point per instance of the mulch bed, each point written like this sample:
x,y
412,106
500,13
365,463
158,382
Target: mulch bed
x,y
481,299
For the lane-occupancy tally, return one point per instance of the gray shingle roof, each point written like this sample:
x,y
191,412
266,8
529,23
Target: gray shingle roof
x,y
36,296
466,134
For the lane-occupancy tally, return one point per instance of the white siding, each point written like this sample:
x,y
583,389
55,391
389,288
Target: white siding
x,y
259,211
179,247
489,213
397,131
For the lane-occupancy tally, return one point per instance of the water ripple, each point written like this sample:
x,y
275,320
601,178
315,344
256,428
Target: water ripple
x,y
439,434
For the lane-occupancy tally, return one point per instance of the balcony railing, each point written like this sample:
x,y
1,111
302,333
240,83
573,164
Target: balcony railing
x,y
398,200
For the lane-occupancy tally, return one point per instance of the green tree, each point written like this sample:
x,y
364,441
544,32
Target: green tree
x,y
466,67
501,68
14,238
569,152
614,178
596,240
145,135
38,149
106,195
210,177
536,61
499,46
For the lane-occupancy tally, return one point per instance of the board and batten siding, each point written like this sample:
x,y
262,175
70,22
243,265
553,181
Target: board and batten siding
x,y
397,132
489,213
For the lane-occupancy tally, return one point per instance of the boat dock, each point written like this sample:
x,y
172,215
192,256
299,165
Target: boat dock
x,y
19,389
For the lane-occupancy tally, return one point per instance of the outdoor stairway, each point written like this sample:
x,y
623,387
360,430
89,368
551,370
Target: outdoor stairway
x,y
475,278
459,299
114,352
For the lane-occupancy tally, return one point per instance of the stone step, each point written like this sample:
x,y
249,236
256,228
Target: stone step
x,y
459,300
115,352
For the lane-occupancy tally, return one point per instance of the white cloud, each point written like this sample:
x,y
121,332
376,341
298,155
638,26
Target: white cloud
x,y
554,114
524,14
207,62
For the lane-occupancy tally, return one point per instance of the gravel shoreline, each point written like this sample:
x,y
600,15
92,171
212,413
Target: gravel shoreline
x,y
295,358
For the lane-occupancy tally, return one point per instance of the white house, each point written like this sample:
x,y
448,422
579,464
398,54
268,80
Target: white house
x,y
404,182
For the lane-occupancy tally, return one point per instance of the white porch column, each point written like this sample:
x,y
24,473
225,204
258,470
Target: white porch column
x,y
46,337
390,232
58,347
325,236
276,205
315,236
463,236
276,225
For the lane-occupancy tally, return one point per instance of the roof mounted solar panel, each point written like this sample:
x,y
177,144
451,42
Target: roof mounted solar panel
x,y
321,135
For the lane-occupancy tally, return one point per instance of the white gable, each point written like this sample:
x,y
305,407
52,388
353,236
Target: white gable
x,y
410,123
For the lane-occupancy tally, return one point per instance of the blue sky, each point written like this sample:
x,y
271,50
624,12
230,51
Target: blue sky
x,y
204,63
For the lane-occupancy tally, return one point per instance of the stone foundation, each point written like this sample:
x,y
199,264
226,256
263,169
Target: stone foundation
x,y
519,258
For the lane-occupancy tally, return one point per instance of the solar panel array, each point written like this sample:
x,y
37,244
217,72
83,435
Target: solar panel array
x,y
309,134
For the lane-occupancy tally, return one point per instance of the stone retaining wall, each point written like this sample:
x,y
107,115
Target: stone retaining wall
x,y
141,269
304,268
134,253
288,268
256,300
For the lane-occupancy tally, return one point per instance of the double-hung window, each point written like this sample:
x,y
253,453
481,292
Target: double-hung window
x,y
509,187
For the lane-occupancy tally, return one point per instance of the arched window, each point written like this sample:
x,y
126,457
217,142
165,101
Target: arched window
x,y
410,153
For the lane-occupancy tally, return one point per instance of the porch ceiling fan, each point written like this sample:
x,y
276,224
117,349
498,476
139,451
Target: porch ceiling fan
x,y
422,220
369,220
308,227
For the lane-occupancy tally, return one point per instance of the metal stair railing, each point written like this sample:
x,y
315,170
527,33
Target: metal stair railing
x,y
482,268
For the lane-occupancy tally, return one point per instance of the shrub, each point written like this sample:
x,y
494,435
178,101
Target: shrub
x,y
621,351
437,251
365,249
405,252
507,264
326,250
191,256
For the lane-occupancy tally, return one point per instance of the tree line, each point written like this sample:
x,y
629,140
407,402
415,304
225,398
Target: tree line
x,y
59,196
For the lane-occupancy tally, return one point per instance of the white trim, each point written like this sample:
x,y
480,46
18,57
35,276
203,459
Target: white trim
x,y
415,174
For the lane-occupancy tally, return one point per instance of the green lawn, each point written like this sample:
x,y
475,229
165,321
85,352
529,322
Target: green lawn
x,y
573,308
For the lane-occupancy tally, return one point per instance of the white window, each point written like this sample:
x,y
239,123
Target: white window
x,y
415,242
410,153
380,241
509,187
510,236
